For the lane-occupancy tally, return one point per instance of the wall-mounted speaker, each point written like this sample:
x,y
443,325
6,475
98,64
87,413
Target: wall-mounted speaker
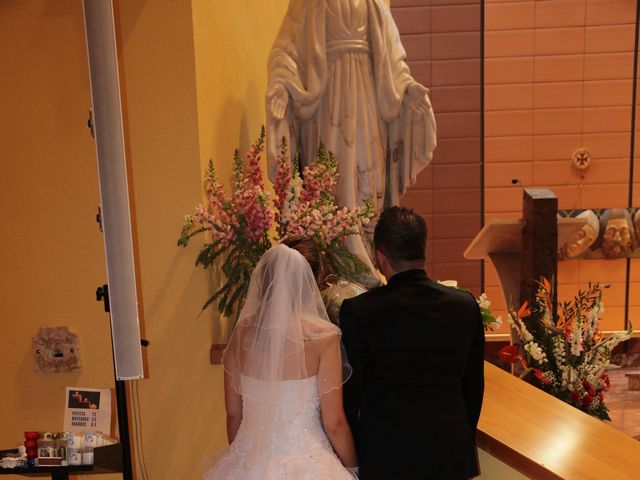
x,y
114,195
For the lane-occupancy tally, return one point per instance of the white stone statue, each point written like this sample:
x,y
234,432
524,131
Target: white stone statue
x,y
338,77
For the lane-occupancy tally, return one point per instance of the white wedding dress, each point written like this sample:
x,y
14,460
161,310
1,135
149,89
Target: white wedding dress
x,y
283,355
298,448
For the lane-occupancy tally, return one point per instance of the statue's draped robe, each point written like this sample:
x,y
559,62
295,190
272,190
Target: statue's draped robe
x,y
343,65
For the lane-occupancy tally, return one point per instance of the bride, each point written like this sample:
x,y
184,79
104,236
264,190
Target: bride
x,y
283,381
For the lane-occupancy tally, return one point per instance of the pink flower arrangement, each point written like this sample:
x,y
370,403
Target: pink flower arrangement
x,y
240,225
306,206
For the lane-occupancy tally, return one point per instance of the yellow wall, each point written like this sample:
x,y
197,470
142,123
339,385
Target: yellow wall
x,y
232,42
51,250
194,78
158,77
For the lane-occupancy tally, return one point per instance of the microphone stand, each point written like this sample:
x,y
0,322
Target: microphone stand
x,y
102,295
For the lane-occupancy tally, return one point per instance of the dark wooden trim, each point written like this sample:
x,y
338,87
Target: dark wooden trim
x,y
632,147
215,353
482,130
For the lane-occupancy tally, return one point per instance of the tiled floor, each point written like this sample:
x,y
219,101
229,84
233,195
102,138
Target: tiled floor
x,y
624,405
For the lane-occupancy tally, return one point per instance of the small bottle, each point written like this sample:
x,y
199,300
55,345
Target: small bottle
x,y
87,456
45,447
74,456
61,448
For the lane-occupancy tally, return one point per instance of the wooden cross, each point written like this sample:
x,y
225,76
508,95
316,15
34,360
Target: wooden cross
x,y
539,258
525,249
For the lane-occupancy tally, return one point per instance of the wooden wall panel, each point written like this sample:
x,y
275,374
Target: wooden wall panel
x,y
559,77
442,39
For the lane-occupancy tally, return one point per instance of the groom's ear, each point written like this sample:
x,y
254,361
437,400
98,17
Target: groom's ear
x,y
376,258
382,263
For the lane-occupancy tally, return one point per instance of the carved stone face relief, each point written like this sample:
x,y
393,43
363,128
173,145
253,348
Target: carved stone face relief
x,y
616,242
580,242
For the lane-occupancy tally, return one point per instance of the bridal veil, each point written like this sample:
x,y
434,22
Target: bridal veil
x,y
282,327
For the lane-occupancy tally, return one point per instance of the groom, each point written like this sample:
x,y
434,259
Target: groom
x,y
416,348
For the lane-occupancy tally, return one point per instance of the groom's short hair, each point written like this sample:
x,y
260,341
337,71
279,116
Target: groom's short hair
x,y
401,235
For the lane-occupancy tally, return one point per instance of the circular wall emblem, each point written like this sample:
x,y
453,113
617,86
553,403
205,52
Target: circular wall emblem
x,y
581,159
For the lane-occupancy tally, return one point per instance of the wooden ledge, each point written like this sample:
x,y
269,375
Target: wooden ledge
x,y
545,438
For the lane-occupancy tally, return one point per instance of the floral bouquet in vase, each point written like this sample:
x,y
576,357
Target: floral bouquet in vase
x,y
244,225
568,356
305,206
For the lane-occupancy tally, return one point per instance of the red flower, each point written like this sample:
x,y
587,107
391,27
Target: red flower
x,y
587,399
575,397
540,376
509,354
589,389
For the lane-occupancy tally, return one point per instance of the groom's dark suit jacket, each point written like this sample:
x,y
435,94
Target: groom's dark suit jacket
x,y
414,399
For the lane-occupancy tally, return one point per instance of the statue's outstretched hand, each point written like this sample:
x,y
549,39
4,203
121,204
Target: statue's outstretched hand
x,y
417,98
278,99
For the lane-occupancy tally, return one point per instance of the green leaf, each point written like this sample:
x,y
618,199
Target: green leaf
x,y
186,236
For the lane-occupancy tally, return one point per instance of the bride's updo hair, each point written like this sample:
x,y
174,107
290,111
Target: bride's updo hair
x,y
310,251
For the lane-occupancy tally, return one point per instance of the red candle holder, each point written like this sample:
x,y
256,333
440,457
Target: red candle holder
x,y
31,444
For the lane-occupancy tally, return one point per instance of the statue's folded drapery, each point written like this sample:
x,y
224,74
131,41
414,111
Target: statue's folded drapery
x,y
349,88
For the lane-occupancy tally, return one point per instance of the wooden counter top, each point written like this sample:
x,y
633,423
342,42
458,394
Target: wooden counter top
x,y
545,438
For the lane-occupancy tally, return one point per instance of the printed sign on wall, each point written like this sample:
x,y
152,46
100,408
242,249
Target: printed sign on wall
x,y
87,409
